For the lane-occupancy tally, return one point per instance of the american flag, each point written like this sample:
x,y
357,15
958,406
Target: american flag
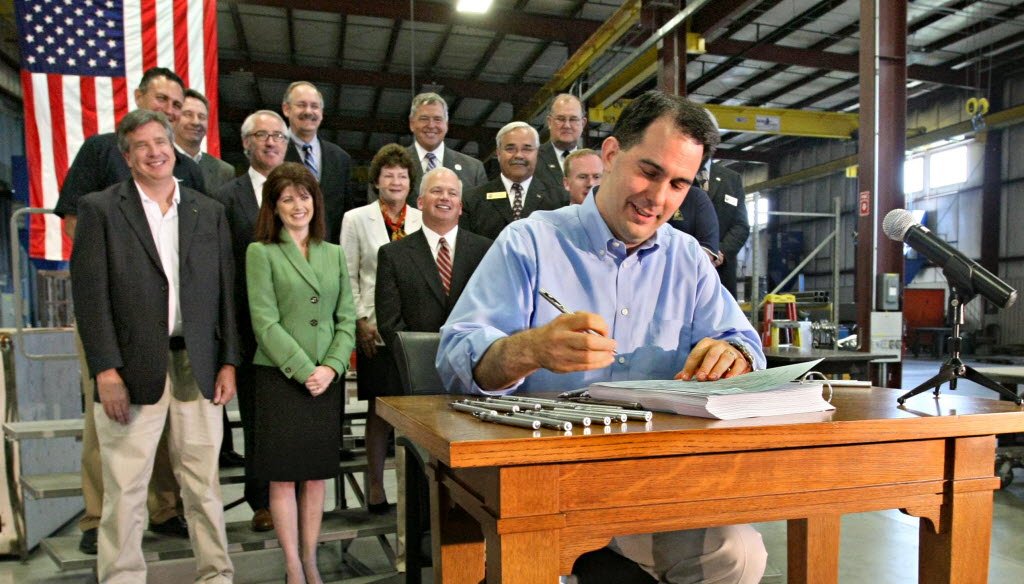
x,y
81,61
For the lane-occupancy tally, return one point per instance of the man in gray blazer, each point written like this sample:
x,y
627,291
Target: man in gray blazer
x,y
153,259
189,133
428,122
566,122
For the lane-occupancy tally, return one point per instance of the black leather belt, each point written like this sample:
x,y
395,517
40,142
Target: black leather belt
x,y
177,343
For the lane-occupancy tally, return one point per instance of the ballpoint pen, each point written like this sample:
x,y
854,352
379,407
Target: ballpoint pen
x,y
561,308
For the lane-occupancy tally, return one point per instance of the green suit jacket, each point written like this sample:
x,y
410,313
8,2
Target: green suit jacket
x,y
302,311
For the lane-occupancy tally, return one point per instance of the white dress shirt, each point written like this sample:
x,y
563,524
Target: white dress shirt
x,y
434,238
164,227
257,185
508,189
421,154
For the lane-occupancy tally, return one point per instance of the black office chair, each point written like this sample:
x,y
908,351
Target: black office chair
x,y
414,354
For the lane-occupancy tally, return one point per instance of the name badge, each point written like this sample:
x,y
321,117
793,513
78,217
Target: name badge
x,y
497,195
731,200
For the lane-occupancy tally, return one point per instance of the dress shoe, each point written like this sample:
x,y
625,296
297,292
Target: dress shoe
x,y
174,527
382,508
231,459
262,520
87,545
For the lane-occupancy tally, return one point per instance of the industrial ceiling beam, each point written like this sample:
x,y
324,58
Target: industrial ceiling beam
x,y
826,60
515,93
760,120
994,121
530,25
718,16
808,16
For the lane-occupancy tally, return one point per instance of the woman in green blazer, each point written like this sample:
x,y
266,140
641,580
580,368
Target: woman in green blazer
x,y
304,322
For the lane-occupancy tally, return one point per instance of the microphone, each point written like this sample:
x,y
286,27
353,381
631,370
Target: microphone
x,y
960,270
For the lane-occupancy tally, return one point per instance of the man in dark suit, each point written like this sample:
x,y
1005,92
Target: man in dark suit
x,y
725,188
154,261
566,122
303,107
98,165
265,139
696,216
189,133
516,193
410,293
428,122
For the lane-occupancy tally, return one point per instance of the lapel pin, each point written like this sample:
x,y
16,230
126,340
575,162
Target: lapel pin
x,y
458,167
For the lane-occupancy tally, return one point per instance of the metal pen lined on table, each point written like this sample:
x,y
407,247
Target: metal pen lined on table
x,y
536,412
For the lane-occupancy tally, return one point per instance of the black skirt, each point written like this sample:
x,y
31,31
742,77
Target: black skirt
x,y
298,436
378,375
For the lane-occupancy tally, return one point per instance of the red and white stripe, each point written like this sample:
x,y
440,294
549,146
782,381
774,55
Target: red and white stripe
x,y
61,111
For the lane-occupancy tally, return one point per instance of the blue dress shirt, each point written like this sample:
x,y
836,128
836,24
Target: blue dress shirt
x,y
659,301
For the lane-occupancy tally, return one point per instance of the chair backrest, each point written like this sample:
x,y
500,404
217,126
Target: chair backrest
x,y
414,355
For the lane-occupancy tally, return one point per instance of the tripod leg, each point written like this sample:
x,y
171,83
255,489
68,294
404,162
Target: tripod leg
x,y
946,373
980,378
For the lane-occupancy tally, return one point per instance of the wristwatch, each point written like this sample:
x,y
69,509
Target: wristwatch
x,y
744,351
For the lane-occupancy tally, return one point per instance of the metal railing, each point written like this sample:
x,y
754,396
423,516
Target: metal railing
x,y
20,331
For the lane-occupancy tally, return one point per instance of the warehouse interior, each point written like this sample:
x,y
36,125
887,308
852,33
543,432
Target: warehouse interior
x,y
835,112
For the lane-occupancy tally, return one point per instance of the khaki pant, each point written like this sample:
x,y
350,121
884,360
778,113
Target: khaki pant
x,y
194,433
732,554
164,500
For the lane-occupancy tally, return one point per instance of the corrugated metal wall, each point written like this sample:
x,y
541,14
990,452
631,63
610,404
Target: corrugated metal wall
x,y
955,212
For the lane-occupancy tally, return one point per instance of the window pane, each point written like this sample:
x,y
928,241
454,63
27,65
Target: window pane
x,y
948,167
762,217
913,175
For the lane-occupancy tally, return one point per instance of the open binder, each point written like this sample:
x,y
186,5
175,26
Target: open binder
x,y
769,392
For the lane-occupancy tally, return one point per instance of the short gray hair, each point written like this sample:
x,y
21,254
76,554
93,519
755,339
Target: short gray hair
x,y
438,170
515,126
428,98
294,84
250,121
135,120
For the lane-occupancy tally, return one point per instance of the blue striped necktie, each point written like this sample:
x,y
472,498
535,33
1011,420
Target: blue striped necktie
x,y
309,161
431,161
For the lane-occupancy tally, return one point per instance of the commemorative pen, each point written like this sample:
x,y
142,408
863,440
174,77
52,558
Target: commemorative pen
x,y
561,307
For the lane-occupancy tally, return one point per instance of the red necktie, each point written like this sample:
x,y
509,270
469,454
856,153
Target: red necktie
x,y
444,265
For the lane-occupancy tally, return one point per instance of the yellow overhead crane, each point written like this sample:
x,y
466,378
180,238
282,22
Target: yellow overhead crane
x,y
760,120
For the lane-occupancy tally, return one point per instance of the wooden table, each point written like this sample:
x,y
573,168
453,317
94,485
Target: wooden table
x,y
532,502
856,363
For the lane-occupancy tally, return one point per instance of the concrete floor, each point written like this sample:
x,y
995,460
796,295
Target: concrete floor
x,y
877,548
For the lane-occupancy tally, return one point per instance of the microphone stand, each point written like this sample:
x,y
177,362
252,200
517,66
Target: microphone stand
x,y
954,369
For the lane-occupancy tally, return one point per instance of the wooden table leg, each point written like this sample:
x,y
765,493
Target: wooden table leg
x,y
456,538
813,550
529,557
958,554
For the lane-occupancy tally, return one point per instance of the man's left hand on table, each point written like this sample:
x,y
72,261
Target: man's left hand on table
x,y
711,359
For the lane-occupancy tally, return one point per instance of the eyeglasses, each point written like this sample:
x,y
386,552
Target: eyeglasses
x,y
573,120
263,135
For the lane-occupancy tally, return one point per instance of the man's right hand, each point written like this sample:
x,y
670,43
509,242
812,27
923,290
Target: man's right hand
x,y
113,395
561,346
566,343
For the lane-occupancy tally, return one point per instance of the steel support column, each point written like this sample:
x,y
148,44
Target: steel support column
x,y
992,185
671,49
883,120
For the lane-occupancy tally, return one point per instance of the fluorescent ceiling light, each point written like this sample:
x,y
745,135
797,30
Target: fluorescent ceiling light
x,y
475,6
